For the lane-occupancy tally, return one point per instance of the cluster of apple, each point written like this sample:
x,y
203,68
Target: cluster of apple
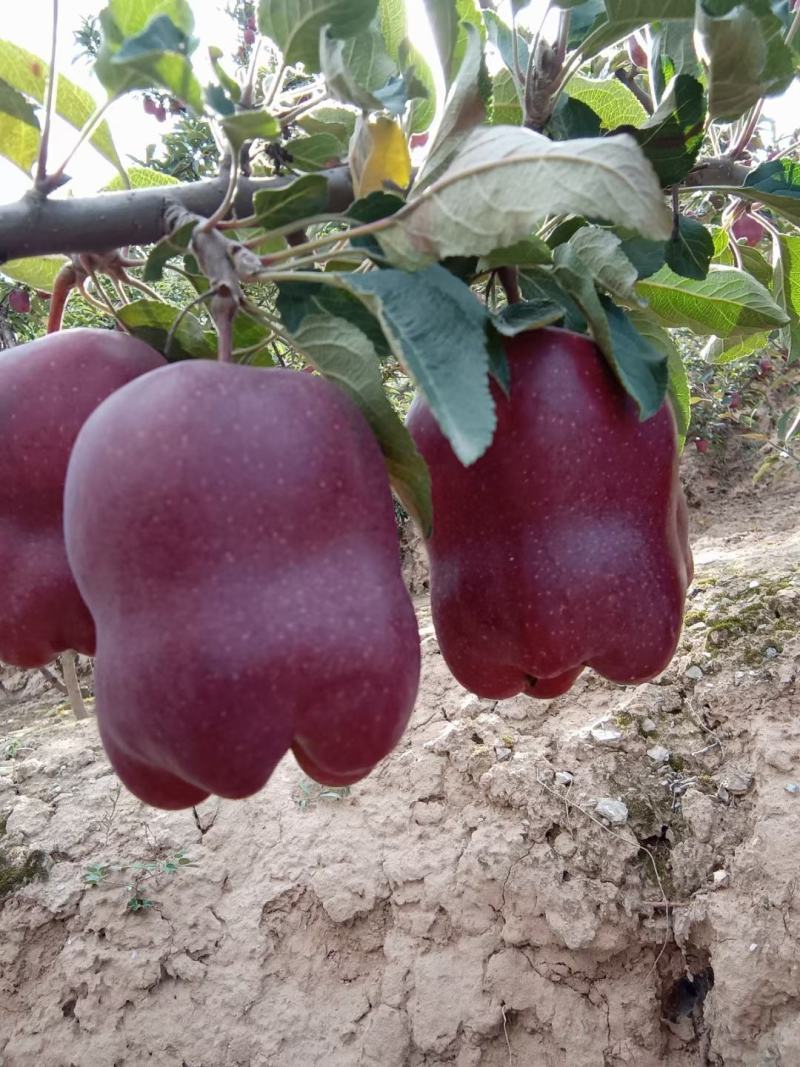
x,y
222,539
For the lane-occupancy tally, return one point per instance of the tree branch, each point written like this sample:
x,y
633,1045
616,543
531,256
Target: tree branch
x,y
38,226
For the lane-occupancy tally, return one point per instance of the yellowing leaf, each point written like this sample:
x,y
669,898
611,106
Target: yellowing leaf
x,y
379,155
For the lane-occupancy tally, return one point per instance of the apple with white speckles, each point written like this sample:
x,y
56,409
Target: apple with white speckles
x,y
48,388
232,530
565,545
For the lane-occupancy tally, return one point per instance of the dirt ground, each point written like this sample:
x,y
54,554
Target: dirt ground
x,y
472,902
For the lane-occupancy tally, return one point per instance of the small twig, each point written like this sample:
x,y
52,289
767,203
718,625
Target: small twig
x,y
52,78
88,128
274,88
743,140
629,81
247,91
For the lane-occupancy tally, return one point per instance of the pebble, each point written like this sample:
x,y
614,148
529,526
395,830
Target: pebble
x,y
502,753
694,672
792,788
606,735
771,653
658,754
736,781
648,726
614,810
722,879
564,778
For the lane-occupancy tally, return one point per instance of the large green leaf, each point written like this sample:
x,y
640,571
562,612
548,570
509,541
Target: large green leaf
x,y
27,73
641,370
19,129
690,251
506,109
464,109
306,196
678,387
146,45
742,43
727,303
505,179
295,25
140,178
438,330
610,99
346,355
787,291
151,321
671,139
37,271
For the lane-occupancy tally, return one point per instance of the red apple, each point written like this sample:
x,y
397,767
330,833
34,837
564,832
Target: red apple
x,y
565,545
48,388
232,531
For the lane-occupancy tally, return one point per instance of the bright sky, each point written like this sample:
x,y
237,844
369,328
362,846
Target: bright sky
x,y
28,24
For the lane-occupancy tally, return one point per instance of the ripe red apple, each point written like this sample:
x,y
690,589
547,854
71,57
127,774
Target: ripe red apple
x,y
249,36
565,544
748,229
19,300
232,531
701,444
765,367
48,388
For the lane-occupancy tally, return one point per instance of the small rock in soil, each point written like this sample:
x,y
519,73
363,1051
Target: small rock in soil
x,y
614,810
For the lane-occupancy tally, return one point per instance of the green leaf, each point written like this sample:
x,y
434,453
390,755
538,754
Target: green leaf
x,y
464,110
37,271
526,315
339,122
19,129
140,178
346,356
249,126
572,118
437,329
151,321
448,20
26,72
787,291
295,25
646,256
741,41
529,252
775,184
639,365
356,68
316,152
146,45
690,251
672,53
641,371
539,285
297,299
504,180
229,84
610,99
167,248
723,351
506,109
502,37
678,388
727,303
672,138
305,196
602,255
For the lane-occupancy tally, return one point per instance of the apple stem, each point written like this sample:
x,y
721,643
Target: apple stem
x,y
507,276
65,282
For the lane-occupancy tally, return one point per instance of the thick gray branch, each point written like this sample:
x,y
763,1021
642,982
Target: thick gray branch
x,y
35,226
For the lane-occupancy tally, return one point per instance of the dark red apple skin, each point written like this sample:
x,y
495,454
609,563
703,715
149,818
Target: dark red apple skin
x,y
748,229
565,545
48,388
232,530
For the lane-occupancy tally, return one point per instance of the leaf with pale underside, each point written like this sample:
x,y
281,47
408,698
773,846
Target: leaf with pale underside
x,y
505,180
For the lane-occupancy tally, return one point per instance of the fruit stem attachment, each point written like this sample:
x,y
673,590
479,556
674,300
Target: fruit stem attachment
x,y
64,283
508,278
